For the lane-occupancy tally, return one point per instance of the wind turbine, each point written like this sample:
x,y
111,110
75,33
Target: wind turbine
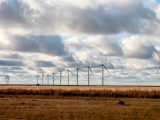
x,y
89,70
159,58
60,77
7,79
77,75
37,76
48,78
77,69
103,67
53,75
68,71
42,78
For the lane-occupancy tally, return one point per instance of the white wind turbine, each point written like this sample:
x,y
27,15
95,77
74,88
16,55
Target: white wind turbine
x,y
103,68
48,76
60,77
89,70
53,77
37,77
77,73
68,74
7,79
42,78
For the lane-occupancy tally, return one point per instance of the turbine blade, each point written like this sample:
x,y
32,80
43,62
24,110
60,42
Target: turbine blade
x,y
157,52
91,71
70,71
106,68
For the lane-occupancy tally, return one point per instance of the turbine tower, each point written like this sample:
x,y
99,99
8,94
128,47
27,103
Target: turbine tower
x,y
89,70
7,79
77,75
77,72
42,78
60,77
77,69
48,78
37,76
53,75
103,67
68,71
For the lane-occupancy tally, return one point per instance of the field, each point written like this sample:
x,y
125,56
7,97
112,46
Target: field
x,y
79,103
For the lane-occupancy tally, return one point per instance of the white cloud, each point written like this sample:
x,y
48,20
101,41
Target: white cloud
x,y
136,47
55,33
96,17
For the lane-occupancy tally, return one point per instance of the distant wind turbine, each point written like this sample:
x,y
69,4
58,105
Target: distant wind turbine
x,y
7,79
37,76
159,59
103,67
48,76
89,70
77,75
60,77
68,71
77,69
42,78
53,76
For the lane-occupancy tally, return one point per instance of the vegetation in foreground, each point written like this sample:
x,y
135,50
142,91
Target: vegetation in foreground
x,y
58,104
85,93
31,107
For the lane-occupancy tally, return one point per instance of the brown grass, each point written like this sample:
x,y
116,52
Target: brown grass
x,y
60,104
85,93
31,107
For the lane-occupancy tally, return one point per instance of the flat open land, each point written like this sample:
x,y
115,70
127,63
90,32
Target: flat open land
x,y
109,87
66,103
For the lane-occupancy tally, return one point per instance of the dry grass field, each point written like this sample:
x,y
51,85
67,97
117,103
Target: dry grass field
x,y
106,87
79,104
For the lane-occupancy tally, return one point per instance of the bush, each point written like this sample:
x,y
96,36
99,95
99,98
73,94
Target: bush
x,y
120,102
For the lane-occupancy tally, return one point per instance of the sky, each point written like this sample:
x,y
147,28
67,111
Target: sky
x,y
46,36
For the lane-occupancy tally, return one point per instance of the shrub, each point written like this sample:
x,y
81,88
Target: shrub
x,y
120,102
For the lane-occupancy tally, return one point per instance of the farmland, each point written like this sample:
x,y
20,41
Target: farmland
x,y
60,103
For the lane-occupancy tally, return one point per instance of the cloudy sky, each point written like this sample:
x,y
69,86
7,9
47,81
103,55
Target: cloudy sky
x,y
50,35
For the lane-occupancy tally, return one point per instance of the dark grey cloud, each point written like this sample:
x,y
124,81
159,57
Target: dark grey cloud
x,y
52,45
68,58
12,70
10,63
44,64
12,56
107,18
41,44
14,13
113,19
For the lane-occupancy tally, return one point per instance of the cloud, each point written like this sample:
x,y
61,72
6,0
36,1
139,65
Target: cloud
x,y
135,47
15,14
93,46
52,45
44,36
105,45
44,64
10,63
67,17
11,55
